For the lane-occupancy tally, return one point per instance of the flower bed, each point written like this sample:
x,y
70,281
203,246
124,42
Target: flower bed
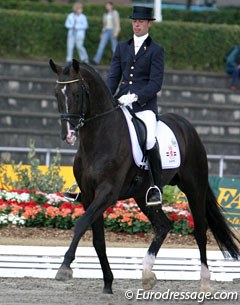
x,y
38,209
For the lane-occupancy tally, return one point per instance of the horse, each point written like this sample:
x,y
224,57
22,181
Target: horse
x,y
106,172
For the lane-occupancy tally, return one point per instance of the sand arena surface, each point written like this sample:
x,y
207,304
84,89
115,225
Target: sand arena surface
x,y
32,291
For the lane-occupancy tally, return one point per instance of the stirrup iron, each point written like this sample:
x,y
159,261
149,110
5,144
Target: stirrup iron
x,y
72,197
151,203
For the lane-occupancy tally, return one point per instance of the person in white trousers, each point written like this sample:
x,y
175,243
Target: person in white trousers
x,y
77,24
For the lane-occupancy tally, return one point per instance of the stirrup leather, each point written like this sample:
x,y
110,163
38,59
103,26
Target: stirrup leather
x,y
149,203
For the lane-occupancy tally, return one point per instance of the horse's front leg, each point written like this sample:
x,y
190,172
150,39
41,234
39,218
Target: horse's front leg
x,y
100,247
161,226
65,272
95,210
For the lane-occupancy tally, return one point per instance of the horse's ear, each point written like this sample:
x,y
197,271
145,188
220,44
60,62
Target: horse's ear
x,y
57,69
75,64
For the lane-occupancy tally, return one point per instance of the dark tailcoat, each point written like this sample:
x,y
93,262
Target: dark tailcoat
x,y
141,74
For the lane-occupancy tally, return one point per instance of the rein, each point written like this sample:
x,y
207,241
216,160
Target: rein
x,y
81,120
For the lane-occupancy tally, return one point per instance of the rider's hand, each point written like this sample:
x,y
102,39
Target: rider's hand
x,y
127,99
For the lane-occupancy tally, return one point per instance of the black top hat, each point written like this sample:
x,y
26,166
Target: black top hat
x,y
142,13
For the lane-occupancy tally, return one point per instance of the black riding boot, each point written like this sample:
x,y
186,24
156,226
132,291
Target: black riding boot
x,y
154,195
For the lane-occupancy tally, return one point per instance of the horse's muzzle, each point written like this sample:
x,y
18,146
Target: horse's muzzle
x,y
71,137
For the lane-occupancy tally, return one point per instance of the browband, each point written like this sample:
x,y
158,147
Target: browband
x,y
68,81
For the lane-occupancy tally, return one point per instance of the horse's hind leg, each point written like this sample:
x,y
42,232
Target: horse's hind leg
x,y
161,226
100,247
197,204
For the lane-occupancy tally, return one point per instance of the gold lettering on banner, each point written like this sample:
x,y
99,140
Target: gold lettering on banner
x,y
229,198
236,221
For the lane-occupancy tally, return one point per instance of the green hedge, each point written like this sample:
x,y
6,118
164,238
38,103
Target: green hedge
x,y
221,16
228,16
31,35
196,46
90,9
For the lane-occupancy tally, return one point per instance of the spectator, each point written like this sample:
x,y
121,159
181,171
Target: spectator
x,y
110,32
77,24
232,66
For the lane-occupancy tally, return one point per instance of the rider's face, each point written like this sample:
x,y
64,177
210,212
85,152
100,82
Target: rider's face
x,y
141,27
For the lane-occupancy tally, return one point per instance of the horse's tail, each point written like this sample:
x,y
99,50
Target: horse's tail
x,y
226,239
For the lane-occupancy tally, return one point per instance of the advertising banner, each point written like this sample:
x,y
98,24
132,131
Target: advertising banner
x,y
227,192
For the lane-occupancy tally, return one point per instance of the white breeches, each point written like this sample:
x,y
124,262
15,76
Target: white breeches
x,y
150,120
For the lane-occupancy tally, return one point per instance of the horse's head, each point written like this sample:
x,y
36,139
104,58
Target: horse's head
x,y
71,93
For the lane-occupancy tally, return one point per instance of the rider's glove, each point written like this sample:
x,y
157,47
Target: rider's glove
x,y
127,99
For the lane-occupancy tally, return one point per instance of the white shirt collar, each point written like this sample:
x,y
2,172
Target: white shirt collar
x,y
139,40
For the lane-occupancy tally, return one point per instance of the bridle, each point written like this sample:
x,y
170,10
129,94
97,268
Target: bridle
x,y
80,117
72,117
68,81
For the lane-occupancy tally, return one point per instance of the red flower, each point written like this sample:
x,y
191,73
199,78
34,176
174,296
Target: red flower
x,y
190,221
173,217
23,191
46,205
31,203
67,205
110,210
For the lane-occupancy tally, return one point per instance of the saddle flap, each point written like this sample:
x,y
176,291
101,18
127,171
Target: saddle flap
x,y
141,132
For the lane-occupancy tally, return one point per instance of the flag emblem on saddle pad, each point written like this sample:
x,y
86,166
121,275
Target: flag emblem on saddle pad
x,y
171,153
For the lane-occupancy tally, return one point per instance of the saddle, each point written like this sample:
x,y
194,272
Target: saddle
x,y
168,144
141,130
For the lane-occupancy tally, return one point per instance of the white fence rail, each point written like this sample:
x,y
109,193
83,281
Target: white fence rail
x,y
48,152
171,264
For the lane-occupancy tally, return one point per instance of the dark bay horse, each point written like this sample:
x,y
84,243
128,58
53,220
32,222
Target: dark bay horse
x,y
105,172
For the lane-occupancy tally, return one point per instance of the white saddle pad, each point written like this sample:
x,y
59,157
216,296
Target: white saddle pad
x,y
168,145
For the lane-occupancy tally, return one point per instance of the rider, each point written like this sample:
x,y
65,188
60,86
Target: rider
x,y
135,77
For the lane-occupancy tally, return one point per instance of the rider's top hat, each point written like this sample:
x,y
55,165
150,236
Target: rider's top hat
x,y
142,13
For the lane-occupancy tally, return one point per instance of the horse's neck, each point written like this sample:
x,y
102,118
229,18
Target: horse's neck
x,y
100,98
100,102
101,130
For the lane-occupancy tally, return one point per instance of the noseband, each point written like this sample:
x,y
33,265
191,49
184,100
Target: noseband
x,y
69,117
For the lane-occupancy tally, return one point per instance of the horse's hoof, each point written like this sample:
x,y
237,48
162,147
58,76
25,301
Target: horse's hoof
x,y
64,274
149,279
107,290
205,285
